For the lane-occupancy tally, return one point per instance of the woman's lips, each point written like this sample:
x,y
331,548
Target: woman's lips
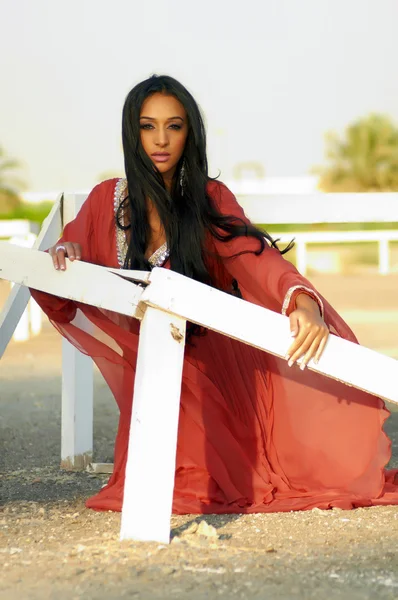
x,y
161,157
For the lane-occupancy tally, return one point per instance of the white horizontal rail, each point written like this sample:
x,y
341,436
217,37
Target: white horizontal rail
x,y
330,237
344,361
82,282
321,208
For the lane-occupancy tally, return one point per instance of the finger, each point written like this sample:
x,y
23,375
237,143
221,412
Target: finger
x,y
54,257
311,352
304,331
70,251
302,349
321,347
296,345
78,251
62,251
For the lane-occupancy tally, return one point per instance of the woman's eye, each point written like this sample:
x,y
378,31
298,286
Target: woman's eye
x,y
174,126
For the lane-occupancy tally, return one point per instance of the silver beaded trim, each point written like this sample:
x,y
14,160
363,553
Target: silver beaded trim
x,y
158,258
309,291
121,243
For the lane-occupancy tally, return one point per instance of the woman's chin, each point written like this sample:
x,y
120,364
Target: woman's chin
x,y
165,170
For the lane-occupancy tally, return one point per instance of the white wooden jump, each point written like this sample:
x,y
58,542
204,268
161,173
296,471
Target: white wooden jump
x,y
163,307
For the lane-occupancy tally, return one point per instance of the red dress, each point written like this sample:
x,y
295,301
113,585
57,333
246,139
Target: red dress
x,y
254,435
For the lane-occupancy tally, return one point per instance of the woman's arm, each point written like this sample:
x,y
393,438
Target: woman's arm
x,y
271,281
78,239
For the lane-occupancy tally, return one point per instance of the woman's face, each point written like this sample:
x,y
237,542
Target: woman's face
x,y
164,130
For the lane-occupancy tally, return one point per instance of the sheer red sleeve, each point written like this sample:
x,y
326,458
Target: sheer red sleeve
x,y
81,231
266,278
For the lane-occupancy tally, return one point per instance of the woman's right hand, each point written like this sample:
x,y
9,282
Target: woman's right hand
x,y
72,250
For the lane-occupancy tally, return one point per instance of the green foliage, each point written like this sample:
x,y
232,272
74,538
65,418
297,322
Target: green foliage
x,y
32,212
10,184
365,159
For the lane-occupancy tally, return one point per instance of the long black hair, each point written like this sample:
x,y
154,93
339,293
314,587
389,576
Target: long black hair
x,y
186,215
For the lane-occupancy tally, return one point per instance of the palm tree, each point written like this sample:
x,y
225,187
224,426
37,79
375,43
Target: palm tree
x,y
10,184
364,160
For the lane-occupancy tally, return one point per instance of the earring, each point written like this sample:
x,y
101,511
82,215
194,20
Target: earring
x,y
182,177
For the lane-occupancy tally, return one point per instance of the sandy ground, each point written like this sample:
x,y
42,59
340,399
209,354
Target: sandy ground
x,y
52,547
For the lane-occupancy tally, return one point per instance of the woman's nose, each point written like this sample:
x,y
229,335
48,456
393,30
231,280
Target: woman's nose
x,y
162,138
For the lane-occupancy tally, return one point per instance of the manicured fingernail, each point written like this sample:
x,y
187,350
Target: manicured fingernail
x,y
62,268
302,367
316,360
287,356
293,333
290,363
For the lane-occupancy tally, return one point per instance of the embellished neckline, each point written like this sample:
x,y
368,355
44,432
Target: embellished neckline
x,y
158,258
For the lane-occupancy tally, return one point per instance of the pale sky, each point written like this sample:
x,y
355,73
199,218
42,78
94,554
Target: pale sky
x,y
270,75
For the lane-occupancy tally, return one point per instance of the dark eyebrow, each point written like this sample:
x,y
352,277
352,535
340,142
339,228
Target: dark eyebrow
x,y
171,118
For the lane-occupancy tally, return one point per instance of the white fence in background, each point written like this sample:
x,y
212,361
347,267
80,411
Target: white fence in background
x,y
164,306
321,208
303,239
327,208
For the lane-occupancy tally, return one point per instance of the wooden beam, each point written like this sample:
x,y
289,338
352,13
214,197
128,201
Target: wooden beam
x,y
344,361
82,282
149,483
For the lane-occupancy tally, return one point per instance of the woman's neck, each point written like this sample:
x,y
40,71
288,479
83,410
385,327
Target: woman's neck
x,y
168,183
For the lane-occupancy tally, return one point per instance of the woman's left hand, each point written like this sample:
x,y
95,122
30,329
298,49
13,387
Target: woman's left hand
x,y
309,330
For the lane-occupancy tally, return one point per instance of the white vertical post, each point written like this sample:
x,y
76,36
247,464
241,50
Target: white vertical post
x,y
150,471
77,385
301,256
384,258
77,406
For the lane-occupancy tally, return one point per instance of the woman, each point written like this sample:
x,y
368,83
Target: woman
x,y
255,434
